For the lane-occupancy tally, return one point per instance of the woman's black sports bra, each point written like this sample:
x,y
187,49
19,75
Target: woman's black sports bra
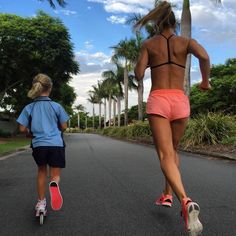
x,y
169,59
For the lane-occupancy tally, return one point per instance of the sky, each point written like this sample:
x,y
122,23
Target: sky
x,y
97,25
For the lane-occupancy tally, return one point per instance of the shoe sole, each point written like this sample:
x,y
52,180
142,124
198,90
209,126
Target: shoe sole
x,y
194,225
164,204
56,197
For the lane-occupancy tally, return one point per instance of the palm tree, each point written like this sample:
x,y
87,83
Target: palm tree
x,y
79,108
186,31
61,3
108,86
93,99
99,93
124,51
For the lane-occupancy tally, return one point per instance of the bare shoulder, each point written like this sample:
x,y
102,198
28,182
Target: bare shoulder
x,y
182,39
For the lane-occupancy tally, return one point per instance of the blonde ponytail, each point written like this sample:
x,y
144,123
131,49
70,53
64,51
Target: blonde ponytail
x,y
41,83
162,16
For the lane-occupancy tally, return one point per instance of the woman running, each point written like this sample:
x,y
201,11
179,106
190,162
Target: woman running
x,y
45,120
168,106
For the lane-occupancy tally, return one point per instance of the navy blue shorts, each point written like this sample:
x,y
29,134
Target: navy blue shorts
x,y
52,156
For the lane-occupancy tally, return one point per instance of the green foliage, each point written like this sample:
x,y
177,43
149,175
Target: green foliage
x,y
222,97
89,130
133,112
29,46
5,134
210,128
136,131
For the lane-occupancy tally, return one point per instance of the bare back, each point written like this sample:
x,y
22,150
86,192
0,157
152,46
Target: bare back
x,y
164,74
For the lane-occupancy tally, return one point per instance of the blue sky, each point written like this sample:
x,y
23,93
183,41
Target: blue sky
x,y
96,25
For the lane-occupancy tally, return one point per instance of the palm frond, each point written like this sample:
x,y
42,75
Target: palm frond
x,y
61,3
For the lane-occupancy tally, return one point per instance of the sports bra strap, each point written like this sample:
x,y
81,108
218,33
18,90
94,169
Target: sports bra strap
x,y
168,51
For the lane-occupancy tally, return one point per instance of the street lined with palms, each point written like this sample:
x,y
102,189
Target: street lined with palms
x,y
109,188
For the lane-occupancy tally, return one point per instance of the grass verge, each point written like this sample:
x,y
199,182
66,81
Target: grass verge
x,y
12,144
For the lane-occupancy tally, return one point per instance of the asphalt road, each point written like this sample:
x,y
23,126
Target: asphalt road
x,y
109,189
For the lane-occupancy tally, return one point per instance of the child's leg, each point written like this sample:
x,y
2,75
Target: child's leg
x,y
55,174
41,181
56,197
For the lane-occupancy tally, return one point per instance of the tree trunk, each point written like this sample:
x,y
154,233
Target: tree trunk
x,y
105,112
140,100
93,118
114,112
186,32
118,110
109,109
86,122
78,120
100,115
126,81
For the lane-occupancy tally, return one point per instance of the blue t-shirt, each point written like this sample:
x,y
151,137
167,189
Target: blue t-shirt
x,y
46,115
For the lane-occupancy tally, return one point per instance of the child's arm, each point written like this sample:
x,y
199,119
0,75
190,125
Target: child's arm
x,y
23,129
63,126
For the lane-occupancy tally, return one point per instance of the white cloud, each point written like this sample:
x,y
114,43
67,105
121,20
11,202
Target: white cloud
x,y
116,19
65,12
88,45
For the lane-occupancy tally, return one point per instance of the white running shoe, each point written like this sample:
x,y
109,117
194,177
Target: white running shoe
x,y
41,207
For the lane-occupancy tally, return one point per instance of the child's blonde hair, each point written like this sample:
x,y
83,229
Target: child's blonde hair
x,y
41,83
162,16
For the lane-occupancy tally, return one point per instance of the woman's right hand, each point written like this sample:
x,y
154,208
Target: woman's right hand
x,y
204,86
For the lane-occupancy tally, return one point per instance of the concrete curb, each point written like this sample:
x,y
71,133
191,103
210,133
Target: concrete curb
x,y
213,154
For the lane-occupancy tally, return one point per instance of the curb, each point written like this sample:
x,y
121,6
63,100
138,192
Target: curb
x,y
213,154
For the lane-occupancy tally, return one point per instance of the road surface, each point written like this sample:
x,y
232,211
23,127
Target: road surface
x,y
109,189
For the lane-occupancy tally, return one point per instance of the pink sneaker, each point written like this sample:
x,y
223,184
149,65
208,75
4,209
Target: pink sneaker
x,y
190,212
56,198
165,200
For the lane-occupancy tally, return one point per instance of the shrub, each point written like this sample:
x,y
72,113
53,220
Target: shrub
x,y
210,128
5,134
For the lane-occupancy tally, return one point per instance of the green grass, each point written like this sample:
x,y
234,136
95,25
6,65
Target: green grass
x,y
12,145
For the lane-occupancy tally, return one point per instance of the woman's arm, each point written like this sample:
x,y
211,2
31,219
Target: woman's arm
x,y
142,63
204,62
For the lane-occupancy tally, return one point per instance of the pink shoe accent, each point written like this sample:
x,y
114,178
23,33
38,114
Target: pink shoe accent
x,y
164,200
56,198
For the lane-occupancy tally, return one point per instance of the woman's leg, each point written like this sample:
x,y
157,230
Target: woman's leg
x,y
177,127
41,181
163,139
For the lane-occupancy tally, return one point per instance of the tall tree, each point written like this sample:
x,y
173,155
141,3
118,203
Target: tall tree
x,y
93,99
222,97
79,108
34,45
124,50
99,93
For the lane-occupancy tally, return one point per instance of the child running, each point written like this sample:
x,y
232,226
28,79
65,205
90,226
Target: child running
x,y
45,120
168,106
